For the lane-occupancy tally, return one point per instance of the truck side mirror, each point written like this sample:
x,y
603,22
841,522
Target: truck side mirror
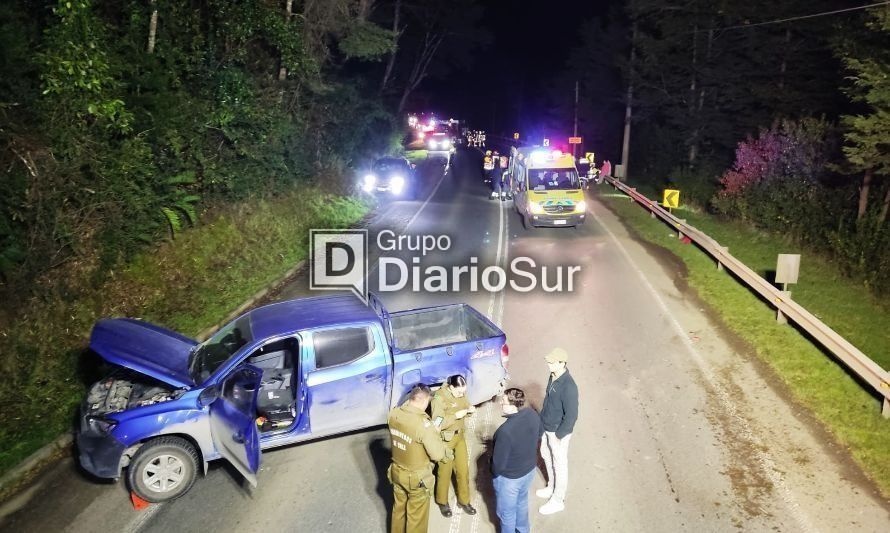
x,y
208,396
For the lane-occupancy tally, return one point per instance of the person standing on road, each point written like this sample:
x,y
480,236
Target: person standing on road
x,y
487,166
501,174
514,460
559,413
449,411
415,442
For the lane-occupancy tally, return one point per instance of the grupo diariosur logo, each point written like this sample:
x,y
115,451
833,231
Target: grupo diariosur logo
x,y
340,262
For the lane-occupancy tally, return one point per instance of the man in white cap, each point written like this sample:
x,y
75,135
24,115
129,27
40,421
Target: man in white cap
x,y
559,413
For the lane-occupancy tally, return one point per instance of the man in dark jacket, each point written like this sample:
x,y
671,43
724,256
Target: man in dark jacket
x,y
514,459
559,413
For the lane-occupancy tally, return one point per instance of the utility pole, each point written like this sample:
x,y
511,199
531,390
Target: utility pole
x,y
625,144
575,130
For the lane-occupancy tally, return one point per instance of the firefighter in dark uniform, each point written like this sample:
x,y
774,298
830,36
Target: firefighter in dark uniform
x,y
415,443
450,409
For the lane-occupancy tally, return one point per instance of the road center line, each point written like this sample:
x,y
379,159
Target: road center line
x,y
408,225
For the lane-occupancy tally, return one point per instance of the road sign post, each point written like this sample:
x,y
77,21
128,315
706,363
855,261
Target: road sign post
x,y
787,271
671,199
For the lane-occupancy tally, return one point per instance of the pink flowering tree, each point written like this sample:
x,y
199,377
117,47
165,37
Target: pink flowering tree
x,y
787,159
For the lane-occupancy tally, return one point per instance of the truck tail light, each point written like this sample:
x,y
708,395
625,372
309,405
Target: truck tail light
x,y
505,355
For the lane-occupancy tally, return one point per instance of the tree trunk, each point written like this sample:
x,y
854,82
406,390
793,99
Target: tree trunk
x,y
387,74
364,9
628,110
431,43
288,12
153,27
784,67
863,193
693,144
884,208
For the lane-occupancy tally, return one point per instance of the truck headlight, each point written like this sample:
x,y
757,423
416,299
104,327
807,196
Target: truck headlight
x,y
99,425
397,183
369,182
432,145
536,208
581,207
446,144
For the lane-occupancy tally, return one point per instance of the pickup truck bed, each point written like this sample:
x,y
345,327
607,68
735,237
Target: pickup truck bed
x,y
437,326
430,344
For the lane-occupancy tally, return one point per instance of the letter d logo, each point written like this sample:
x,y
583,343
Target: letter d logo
x,y
339,261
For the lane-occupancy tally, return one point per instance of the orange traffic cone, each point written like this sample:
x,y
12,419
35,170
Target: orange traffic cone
x,y
138,503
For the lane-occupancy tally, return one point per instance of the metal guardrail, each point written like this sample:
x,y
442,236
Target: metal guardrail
x,y
852,357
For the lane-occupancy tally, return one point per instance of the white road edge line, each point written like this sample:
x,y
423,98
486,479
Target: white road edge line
x,y
766,463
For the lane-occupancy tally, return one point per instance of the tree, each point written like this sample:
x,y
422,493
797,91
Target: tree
x,y
442,36
708,75
867,135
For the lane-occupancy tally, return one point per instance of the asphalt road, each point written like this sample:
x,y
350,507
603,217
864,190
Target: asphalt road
x,y
679,429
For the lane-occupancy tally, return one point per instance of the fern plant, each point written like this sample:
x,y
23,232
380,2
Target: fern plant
x,y
181,205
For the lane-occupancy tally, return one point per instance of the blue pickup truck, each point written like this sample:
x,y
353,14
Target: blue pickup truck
x,y
284,373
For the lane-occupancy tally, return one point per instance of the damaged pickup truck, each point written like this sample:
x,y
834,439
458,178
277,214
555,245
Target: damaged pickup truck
x,y
284,373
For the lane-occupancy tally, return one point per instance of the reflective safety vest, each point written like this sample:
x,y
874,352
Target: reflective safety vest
x,y
488,163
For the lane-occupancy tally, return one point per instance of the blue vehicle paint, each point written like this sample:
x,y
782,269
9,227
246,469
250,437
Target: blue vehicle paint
x,y
217,409
150,349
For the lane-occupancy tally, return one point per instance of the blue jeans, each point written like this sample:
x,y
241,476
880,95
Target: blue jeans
x,y
512,502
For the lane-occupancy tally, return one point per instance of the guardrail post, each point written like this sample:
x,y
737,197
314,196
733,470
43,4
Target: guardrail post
x,y
780,316
724,249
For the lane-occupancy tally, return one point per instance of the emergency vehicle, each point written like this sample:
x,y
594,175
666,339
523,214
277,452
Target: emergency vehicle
x,y
546,188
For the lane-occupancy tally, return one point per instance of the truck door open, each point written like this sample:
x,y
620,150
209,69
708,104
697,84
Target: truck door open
x,y
233,421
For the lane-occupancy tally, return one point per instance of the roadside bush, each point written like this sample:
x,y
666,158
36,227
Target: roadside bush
x,y
697,185
776,171
780,183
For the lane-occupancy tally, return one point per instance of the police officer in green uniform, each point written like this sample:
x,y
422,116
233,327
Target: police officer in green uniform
x,y
450,408
415,442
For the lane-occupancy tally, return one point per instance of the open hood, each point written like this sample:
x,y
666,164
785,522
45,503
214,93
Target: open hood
x,y
145,348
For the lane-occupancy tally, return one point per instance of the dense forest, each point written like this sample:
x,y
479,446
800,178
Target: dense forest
x,y
758,111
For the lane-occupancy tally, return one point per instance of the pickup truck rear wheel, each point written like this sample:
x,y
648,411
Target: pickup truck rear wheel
x,y
163,469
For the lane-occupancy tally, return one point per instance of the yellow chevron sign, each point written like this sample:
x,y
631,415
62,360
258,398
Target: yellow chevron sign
x,y
671,198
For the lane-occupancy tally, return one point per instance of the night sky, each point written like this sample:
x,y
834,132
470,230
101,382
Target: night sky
x,y
507,87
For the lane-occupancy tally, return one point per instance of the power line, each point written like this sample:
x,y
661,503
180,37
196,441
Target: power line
x,y
801,17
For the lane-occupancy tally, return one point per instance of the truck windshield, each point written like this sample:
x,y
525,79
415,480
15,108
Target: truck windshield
x,y
552,179
386,166
216,350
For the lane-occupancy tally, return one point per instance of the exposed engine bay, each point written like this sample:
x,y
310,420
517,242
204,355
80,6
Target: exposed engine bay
x,y
126,390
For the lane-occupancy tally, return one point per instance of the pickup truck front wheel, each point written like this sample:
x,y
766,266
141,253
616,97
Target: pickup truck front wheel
x,y
163,469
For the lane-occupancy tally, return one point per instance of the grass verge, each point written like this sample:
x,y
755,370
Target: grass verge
x,y
187,285
814,379
416,155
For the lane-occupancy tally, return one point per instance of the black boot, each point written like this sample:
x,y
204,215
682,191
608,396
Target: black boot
x,y
468,508
446,510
